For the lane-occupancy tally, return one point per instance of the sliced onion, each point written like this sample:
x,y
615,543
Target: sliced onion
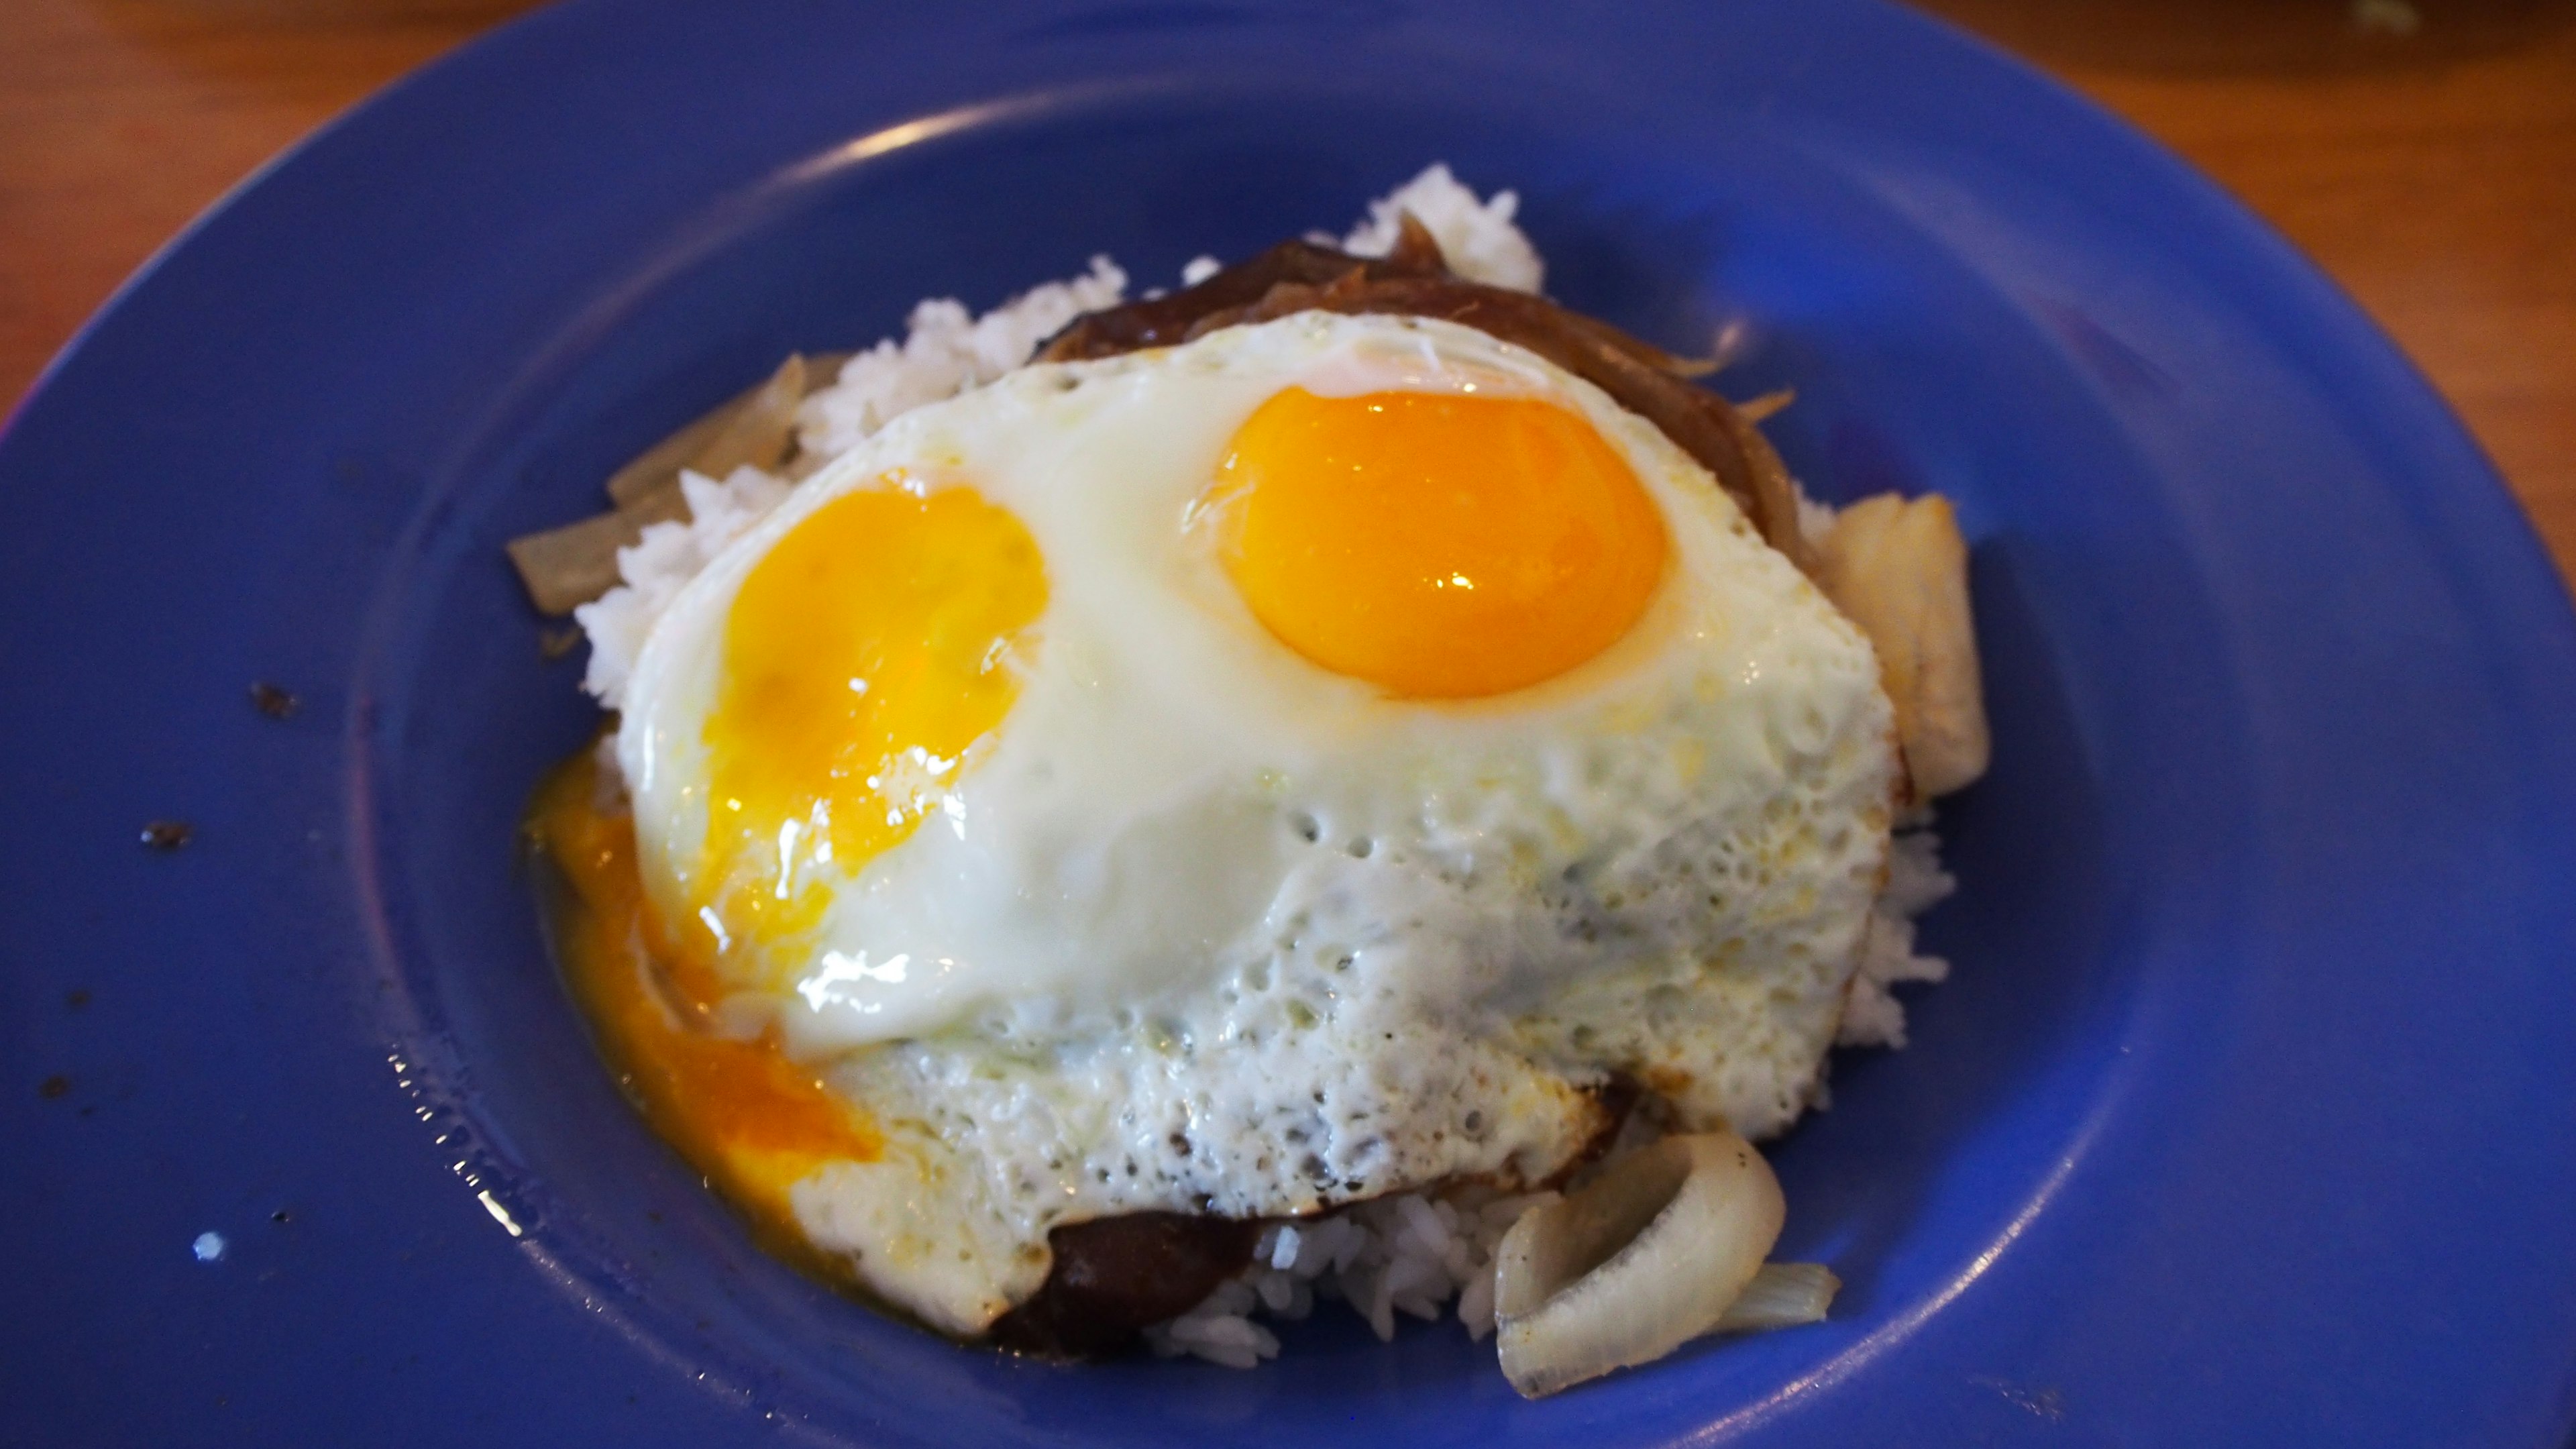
x,y
1782,1295
572,565
1644,1259
703,445
1768,405
1898,568
658,467
761,429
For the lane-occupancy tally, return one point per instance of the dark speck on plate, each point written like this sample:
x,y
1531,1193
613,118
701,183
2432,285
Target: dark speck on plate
x,y
167,834
54,1086
272,701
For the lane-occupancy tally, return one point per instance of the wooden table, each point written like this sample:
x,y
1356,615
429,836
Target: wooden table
x,y
2433,173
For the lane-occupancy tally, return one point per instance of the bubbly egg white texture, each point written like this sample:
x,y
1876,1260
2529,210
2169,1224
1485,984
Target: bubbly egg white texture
x,y
1200,925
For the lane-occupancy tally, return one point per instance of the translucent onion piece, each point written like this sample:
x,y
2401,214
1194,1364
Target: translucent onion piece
x,y
1899,569
658,467
1644,1259
762,430
572,565
1782,1295
1768,405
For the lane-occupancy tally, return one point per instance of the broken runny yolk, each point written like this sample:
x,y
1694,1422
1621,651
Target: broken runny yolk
x,y
863,655
739,1111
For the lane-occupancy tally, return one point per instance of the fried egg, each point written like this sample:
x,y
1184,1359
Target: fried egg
x,y
1241,778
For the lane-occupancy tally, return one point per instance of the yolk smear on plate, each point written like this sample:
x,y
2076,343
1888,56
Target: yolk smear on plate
x,y
740,1111
1439,546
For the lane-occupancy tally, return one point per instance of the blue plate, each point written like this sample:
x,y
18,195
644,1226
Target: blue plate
x,y
2248,1118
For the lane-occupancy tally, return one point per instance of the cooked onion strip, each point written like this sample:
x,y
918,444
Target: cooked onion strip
x,y
572,565
1899,569
1768,405
1782,1295
1647,1257
703,445
657,468
762,429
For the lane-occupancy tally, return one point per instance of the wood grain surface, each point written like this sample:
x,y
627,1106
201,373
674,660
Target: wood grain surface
x,y
2431,169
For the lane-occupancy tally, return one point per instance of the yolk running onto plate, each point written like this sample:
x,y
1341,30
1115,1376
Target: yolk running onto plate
x,y
739,1111
863,655
1441,547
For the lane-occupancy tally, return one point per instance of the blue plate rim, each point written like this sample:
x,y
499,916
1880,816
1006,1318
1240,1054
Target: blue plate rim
x,y
2439,442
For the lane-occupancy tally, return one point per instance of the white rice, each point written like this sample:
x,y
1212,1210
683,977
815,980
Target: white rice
x,y
1419,1254
661,563
945,351
1425,1255
1872,1016
1477,238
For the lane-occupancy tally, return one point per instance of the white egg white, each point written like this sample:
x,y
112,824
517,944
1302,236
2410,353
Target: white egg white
x,y
1204,927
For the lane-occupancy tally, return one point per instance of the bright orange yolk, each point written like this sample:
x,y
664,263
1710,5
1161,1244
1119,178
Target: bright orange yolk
x,y
1438,546
863,655
740,1112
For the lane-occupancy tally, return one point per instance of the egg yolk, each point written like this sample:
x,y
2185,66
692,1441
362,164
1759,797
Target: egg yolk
x,y
862,656
1438,546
